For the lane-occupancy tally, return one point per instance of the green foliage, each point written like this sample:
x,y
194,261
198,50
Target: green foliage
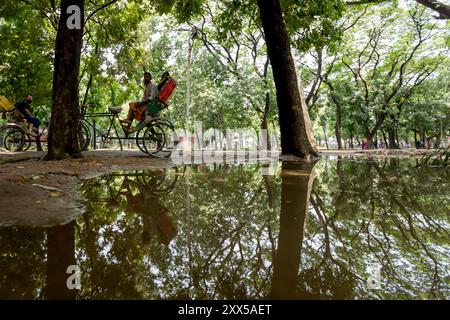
x,y
25,54
313,24
228,88
383,81
183,10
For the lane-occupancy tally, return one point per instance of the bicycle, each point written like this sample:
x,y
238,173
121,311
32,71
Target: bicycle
x,y
154,136
17,136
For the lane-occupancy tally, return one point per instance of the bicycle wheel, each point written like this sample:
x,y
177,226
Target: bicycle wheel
x,y
14,139
153,139
170,138
158,182
84,136
140,139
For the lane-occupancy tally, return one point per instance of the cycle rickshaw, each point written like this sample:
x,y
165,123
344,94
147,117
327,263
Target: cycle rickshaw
x,y
15,134
154,136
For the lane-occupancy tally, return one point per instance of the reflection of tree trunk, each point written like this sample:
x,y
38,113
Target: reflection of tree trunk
x,y
394,164
297,181
268,188
340,172
187,194
90,239
60,255
340,198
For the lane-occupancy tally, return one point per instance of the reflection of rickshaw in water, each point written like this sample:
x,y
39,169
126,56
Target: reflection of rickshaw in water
x,y
140,192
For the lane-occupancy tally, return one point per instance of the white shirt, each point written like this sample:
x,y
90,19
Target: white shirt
x,y
150,91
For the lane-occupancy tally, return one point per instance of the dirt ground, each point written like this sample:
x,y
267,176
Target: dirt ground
x,y
45,193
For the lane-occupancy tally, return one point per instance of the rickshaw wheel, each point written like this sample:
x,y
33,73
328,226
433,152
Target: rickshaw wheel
x,y
14,139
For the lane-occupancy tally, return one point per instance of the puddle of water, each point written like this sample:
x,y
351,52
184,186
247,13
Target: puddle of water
x,y
339,229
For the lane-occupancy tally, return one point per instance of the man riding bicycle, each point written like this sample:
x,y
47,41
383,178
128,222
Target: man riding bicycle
x,y
23,108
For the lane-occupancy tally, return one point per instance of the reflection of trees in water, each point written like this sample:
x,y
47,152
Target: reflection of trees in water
x,y
250,236
22,263
387,213
114,239
231,232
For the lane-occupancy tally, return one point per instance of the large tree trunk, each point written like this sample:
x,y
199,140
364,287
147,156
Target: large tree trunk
x,y
391,138
325,136
63,138
337,127
295,125
264,125
438,6
369,138
392,134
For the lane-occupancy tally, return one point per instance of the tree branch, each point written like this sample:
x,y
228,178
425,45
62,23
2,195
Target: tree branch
x,y
98,9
